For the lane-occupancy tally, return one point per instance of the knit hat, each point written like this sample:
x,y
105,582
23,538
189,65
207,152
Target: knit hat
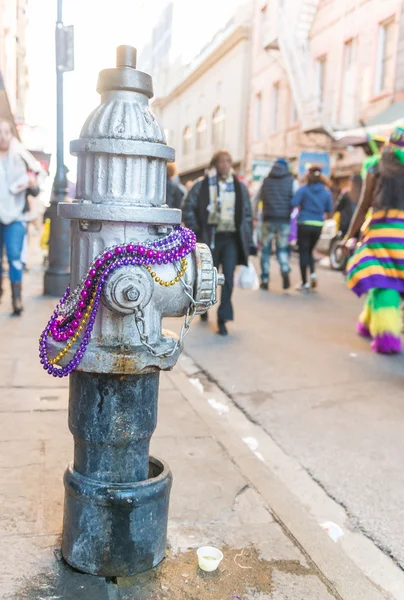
x,y
397,137
315,170
282,161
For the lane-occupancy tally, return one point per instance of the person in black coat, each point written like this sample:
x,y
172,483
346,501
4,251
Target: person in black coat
x,y
276,195
218,209
174,192
347,203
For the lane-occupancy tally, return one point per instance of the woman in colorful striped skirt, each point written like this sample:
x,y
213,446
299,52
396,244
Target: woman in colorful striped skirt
x,y
377,267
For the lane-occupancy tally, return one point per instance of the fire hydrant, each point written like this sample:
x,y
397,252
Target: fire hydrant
x,y
132,264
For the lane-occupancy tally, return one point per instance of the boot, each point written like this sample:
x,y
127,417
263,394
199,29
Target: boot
x,y
16,297
286,281
222,330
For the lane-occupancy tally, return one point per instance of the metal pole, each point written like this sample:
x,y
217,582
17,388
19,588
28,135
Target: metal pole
x,y
57,275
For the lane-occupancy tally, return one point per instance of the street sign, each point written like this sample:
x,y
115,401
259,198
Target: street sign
x,y
318,159
260,169
65,48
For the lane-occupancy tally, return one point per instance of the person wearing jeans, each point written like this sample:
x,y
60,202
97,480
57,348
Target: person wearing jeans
x,y
218,209
315,203
12,238
15,184
279,231
276,196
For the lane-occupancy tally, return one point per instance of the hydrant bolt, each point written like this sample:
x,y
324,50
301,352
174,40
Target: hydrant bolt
x,y
131,293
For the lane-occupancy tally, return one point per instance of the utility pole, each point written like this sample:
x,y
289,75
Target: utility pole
x,y
57,275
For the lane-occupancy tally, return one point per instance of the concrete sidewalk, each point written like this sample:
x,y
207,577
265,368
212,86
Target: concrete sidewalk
x,y
223,495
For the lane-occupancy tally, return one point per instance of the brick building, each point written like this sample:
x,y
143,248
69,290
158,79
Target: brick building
x,y
319,68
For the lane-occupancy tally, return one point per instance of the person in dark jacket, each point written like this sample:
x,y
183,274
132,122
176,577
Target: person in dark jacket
x,y
315,203
347,202
218,209
276,195
174,192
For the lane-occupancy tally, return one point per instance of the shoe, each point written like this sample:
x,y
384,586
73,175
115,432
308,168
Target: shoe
x,y
363,330
16,298
286,281
313,281
303,287
264,285
204,317
222,328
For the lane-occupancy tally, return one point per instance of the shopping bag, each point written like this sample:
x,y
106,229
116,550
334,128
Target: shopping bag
x,y
247,278
293,226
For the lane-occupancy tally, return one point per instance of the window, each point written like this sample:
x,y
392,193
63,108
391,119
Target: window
x,y
186,140
257,117
321,74
201,130
275,107
385,57
349,84
349,54
292,110
263,23
218,123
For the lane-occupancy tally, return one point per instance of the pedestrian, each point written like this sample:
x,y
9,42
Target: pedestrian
x,y
276,195
347,203
376,268
314,201
174,192
15,183
218,209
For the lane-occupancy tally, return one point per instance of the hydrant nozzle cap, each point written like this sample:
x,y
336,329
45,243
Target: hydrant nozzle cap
x,y
126,56
125,76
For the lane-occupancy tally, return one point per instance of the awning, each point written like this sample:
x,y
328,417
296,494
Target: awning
x,y
382,124
389,116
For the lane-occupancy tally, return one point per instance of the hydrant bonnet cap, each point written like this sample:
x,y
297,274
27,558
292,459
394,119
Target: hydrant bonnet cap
x,y
125,76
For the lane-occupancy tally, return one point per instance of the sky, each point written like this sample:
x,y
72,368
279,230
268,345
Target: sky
x,y
99,28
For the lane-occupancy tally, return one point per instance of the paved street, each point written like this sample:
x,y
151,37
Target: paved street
x,y
294,365
223,494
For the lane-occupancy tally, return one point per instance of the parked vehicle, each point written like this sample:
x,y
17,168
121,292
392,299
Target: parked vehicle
x,y
338,258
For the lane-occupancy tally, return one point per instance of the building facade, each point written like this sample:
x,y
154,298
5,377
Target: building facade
x,y
208,106
321,67
13,69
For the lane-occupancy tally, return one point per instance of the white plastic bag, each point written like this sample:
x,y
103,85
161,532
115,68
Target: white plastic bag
x,y
247,278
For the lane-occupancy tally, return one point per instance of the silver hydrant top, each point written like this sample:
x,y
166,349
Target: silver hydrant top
x,y
125,76
122,151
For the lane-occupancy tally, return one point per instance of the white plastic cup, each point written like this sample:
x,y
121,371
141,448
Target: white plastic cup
x,y
209,558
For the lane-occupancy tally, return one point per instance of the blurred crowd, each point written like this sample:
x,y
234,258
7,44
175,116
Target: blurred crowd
x,y
286,214
283,215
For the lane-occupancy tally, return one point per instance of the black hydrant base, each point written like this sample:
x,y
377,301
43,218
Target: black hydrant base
x,y
116,530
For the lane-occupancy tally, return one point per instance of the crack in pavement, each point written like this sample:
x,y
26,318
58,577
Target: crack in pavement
x,y
354,521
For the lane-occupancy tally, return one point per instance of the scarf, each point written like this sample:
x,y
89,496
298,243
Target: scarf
x,y
222,203
13,185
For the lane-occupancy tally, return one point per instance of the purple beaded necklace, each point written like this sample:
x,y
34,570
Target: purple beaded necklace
x,y
74,317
